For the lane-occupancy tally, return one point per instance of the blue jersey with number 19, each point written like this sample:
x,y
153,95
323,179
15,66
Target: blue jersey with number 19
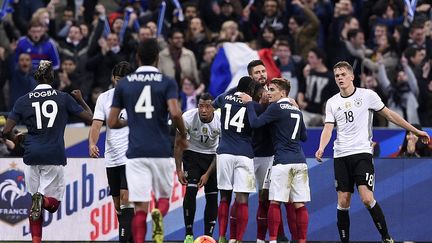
x,y
144,95
45,112
236,133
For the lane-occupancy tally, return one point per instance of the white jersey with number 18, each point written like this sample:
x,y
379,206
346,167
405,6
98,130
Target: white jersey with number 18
x,y
353,117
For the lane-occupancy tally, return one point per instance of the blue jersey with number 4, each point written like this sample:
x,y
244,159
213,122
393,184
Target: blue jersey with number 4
x,y
144,95
287,130
236,133
45,112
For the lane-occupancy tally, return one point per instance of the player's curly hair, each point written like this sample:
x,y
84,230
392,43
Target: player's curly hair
x,y
44,73
122,69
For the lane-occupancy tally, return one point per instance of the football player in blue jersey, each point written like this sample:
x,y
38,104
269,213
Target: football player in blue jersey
x,y
263,155
234,164
45,112
149,97
289,177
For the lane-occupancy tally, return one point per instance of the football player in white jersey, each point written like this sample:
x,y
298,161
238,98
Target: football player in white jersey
x,y
116,144
199,164
351,111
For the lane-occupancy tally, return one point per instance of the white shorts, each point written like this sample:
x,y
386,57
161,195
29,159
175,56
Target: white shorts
x,y
289,183
235,172
46,179
145,175
262,165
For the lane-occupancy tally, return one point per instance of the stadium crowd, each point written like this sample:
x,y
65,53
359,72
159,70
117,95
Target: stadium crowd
x,y
388,43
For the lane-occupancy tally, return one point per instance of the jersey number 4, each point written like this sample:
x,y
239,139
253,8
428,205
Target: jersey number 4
x,y
236,120
144,104
51,115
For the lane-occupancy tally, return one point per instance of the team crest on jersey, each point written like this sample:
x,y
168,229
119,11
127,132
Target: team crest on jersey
x,y
204,130
347,104
358,102
14,199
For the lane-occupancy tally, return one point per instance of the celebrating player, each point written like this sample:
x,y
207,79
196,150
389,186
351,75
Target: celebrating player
x,y
45,112
147,95
289,176
351,110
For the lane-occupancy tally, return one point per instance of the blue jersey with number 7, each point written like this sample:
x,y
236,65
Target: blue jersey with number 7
x,y
45,112
144,95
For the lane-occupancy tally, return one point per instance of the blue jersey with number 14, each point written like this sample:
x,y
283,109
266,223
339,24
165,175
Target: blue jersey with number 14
x,y
144,95
45,112
236,133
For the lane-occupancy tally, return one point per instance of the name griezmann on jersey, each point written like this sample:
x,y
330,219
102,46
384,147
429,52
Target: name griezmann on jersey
x,y
45,93
141,77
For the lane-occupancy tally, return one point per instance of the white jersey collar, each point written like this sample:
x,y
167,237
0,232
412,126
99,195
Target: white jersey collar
x,y
147,69
284,99
43,86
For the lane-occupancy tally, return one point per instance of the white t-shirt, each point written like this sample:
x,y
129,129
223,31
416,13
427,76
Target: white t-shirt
x,y
353,117
202,137
116,142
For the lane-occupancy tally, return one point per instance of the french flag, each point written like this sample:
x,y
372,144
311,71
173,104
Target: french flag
x,y
230,64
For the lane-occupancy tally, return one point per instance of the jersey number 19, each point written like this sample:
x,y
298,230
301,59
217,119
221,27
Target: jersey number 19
x,y
51,115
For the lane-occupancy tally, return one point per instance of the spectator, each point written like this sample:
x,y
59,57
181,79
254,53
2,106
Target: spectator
x,y
104,61
38,45
197,36
267,37
204,71
21,80
318,87
189,94
176,61
69,78
402,94
230,32
306,34
272,16
288,67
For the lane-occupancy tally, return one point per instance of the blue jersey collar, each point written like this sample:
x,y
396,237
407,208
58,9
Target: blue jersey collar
x,y
43,86
147,69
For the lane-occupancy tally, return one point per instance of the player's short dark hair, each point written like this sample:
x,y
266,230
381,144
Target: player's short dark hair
x,y
122,69
244,84
343,64
44,73
254,89
148,51
253,64
282,83
206,96
411,52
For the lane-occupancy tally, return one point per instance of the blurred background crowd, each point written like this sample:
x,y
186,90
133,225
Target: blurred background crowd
x,y
388,42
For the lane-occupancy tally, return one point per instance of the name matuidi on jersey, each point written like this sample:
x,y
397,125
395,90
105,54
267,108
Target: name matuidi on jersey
x,y
144,77
42,93
234,98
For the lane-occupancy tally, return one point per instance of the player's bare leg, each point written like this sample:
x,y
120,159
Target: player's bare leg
x,y
367,197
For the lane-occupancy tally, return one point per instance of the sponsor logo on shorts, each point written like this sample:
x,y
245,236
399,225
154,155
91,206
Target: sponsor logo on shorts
x,y
14,199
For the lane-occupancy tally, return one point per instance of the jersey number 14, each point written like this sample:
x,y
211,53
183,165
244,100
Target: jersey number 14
x,y
236,120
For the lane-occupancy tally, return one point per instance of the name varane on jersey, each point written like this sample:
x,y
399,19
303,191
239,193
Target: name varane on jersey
x,y
144,95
